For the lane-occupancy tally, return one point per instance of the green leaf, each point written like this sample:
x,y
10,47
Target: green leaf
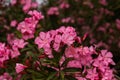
x,y
67,77
25,49
72,70
51,76
34,72
62,75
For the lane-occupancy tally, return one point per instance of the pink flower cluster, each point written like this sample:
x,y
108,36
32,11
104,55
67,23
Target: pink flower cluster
x,y
15,45
57,37
12,50
53,11
68,20
64,5
28,26
4,54
6,76
27,4
94,68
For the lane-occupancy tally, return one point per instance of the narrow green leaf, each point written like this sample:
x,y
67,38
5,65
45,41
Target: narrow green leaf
x,y
62,75
72,70
51,76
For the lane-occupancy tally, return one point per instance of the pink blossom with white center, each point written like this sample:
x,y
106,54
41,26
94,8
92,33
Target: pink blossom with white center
x,y
6,76
20,67
43,40
53,11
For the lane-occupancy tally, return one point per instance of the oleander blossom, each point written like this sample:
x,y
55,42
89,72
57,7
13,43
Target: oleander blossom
x,y
59,37
97,69
6,76
15,45
53,11
94,68
13,23
20,67
28,26
4,54
64,5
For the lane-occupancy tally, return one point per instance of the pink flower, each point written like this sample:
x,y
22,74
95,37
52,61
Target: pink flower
x,y
118,23
4,53
75,64
108,75
70,52
68,20
36,14
34,4
92,74
27,27
103,2
6,76
68,39
26,5
20,67
14,53
48,52
106,57
43,41
57,42
13,23
19,43
53,11
64,5
13,2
